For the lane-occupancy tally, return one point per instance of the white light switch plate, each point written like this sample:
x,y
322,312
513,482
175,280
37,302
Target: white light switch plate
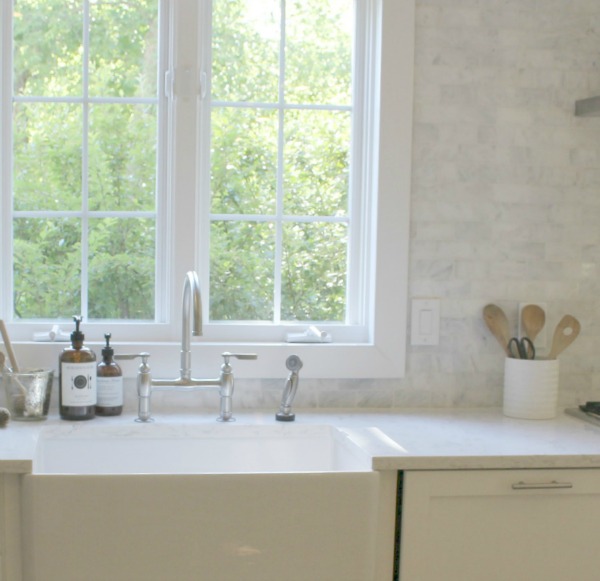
x,y
425,321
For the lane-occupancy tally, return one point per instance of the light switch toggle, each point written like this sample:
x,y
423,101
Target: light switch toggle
x,y
425,321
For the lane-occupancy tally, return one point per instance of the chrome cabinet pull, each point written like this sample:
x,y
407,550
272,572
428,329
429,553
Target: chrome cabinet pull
x,y
541,485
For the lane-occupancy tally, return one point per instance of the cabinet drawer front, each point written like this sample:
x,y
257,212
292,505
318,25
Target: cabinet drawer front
x,y
468,482
500,525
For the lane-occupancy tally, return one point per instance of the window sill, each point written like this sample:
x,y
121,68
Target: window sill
x,y
321,361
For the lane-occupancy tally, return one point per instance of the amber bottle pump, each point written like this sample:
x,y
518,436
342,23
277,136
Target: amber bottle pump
x,y
110,383
77,379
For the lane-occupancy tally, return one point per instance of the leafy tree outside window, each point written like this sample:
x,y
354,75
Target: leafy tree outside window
x,y
281,125
85,113
84,158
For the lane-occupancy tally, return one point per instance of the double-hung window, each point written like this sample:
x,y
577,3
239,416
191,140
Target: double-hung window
x,y
264,144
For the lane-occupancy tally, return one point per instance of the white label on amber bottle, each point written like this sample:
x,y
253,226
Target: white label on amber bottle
x,y
78,384
110,391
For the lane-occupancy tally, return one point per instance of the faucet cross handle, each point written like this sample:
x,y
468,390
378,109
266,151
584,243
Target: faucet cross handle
x,y
144,384
227,355
227,370
143,355
226,384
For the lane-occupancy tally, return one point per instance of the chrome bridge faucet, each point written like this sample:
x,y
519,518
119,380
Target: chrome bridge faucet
x,y
191,308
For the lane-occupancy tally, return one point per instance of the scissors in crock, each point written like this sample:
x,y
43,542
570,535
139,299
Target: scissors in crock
x,y
521,348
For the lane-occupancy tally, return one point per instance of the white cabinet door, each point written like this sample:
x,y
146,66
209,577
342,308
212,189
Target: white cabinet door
x,y
501,525
10,528
208,527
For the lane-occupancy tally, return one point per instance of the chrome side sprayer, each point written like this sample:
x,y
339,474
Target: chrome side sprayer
x,y
294,364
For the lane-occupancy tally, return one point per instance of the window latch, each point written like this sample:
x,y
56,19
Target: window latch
x,y
169,82
310,335
182,83
202,84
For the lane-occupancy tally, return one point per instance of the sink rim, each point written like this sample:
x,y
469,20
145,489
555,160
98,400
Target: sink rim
x,y
245,449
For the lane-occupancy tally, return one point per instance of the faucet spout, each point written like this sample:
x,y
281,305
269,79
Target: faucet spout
x,y
191,312
191,309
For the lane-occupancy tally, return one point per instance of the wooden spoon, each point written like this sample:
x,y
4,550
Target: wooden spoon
x,y
8,346
533,320
497,323
19,400
565,333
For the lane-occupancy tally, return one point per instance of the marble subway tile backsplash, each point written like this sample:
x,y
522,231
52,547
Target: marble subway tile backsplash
x,y
506,190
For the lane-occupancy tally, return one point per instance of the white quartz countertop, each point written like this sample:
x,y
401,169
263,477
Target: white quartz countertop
x,y
419,439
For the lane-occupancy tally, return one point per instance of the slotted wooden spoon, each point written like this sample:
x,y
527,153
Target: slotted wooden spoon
x,y
565,333
533,320
497,323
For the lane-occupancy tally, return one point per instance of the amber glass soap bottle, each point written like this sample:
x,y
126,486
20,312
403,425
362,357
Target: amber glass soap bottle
x,y
77,379
109,383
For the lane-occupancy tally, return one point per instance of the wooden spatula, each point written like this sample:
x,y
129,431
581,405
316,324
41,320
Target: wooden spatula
x,y
533,320
565,333
497,323
8,346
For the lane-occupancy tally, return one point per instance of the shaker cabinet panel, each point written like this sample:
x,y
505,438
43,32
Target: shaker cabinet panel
x,y
500,525
10,528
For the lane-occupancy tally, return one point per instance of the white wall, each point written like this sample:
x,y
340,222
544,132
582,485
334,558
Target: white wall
x,y
505,195
506,187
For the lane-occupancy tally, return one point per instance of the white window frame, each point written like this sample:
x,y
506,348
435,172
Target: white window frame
x,y
25,329
382,354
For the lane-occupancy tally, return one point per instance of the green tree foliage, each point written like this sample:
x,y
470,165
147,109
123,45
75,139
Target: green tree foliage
x,y
251,142
46,266
247,83
50,174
